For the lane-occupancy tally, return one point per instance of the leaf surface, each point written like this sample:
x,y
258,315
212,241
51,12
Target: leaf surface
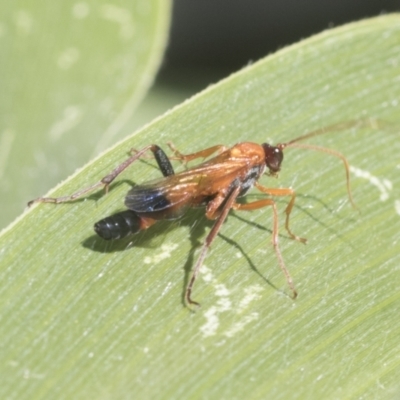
x,y
82,318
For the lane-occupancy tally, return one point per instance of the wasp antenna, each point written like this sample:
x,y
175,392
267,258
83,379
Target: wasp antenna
x,y
341,126
336,154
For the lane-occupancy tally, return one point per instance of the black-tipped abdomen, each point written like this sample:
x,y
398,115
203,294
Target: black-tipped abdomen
x,y
118,225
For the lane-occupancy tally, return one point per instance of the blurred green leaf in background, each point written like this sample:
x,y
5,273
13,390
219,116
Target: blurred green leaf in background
x,y
81,318
72,74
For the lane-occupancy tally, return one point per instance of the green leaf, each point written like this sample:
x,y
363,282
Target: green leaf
x,y
72,74
82,318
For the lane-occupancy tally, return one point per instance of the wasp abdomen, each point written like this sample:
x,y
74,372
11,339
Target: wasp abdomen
x,y
118,225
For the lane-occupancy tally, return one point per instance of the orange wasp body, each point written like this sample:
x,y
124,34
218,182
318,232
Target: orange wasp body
x,y
215,184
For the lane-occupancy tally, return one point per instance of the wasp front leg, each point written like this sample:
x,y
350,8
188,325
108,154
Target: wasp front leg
x,y
160,156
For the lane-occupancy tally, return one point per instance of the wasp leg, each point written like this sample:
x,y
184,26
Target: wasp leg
x,y
185,158
288,210
275,238
230,200
162,161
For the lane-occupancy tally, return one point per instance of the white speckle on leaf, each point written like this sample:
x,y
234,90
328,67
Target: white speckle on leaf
x,y
80,10
166,289
24,22
32,375
397,206
251,293
383,185
206,274
221,290
212,322
121,16
68,58
166,250
71,117
223,304
240,325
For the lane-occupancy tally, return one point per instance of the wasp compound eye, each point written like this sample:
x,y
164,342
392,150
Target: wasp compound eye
x,y
273,157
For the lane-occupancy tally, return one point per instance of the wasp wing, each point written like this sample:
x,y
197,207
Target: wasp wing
x,y
164,198
169,197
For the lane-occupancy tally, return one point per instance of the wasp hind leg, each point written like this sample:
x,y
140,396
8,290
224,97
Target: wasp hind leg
x,y
162,160
275,235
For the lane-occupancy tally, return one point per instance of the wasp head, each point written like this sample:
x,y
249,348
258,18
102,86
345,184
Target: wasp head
x,y
273,158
